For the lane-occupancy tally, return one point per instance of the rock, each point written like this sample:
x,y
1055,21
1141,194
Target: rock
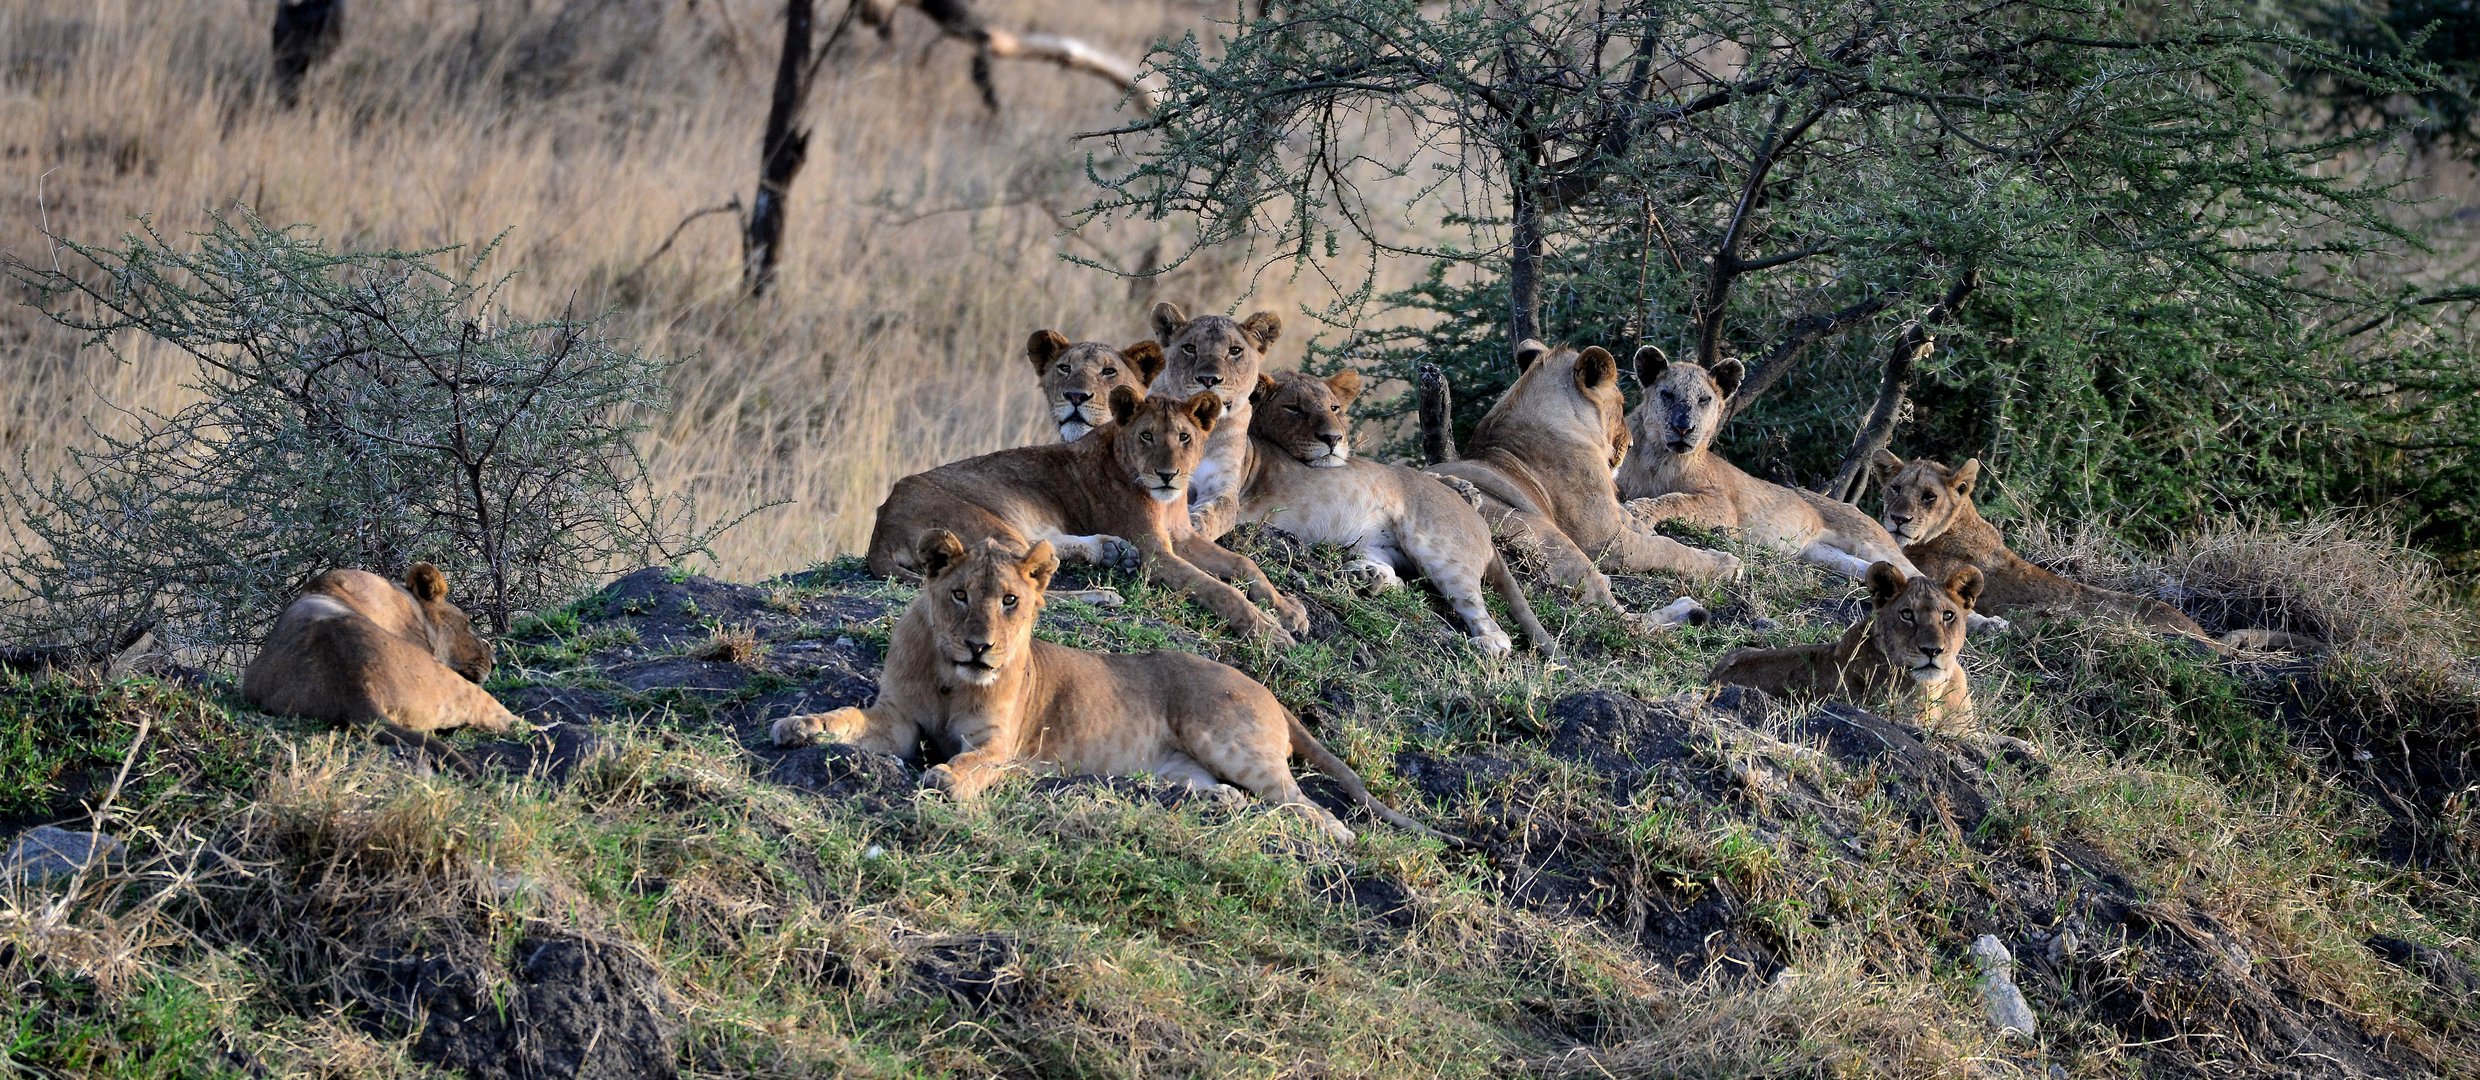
x,y
48,853
2442,969
567,1007
2008,1010
977,970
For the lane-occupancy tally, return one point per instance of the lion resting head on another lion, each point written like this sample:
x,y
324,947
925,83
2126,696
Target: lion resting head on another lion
x,y
357,649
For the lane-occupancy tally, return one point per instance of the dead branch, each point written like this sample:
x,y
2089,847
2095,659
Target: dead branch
x,y
38,657
958,19
1914,343
1437,416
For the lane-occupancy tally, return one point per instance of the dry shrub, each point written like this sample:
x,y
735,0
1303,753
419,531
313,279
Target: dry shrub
x,y
2343,578
731,645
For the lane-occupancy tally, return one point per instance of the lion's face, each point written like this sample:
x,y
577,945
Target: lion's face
x,y
1919,623
1309,417
1077,379
1157,442
1211,354
1683,402
982,603
1922,497
450,630
1589,380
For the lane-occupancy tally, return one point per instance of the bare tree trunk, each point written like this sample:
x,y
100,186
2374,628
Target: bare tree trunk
x,y
782,152
1805,331
1437,416
305,32
1916,341
1524,268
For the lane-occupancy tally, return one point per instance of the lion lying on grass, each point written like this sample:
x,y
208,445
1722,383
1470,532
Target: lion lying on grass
x,y
359,650
965,673
1910,645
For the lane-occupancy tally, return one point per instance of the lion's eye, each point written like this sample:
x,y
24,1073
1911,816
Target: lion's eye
x,y
1704,399
1009,599
1928,500
1334,408
1947,615
959,594
1146,435
1235,350
1110,373
1063,369
1295,410
1184,438
1907,617
1190,348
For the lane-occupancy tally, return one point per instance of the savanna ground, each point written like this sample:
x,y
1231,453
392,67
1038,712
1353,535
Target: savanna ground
x,y
2257,867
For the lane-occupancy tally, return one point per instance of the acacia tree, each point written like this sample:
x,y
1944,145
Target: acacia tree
x,y
1770,181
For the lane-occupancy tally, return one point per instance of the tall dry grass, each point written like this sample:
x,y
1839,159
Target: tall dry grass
x,y
924,244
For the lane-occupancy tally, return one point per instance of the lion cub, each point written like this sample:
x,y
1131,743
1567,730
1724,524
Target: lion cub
x,y
1911,645
1672,472
1929,508
1122,485
360,650
1299,476
965,674
1541,462
1077,379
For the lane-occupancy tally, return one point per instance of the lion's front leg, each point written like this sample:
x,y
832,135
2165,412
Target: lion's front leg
x,y
1223,563
1709,509
968,774
878,730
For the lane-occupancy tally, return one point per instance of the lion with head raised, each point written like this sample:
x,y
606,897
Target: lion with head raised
x,y
1214,354
966,677
1541,462
359,650
1077,377
1911,646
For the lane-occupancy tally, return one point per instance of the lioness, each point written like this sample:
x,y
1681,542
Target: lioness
x,y
1541,461
1211,354
1672,472
1077,379
1298,475
1120,486
357,649
965,674
1911,644
1929,508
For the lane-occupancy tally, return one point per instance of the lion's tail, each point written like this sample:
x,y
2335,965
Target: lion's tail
x,y
1307,746
1512,591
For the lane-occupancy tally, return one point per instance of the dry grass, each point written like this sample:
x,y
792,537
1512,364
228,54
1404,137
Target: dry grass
x,y
925,236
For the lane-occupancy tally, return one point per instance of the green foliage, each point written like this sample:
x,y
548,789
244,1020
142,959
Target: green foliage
x,y
353,409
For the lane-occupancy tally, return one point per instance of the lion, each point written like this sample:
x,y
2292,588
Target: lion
x,y
1929,508
1077,379
1119,488
359,650
1211,354
1299,476
1541,463
1911,645
1672,474
965,674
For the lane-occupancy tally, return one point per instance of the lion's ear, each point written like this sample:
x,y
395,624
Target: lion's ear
x,y
937,550
1044,347
1885,583
1205,408
1124,402
1147,356
1596,368
1650,361
1040,563
1346,384
1728,375
1885,464
1262,327
1963,478
1965,586
1265,385
426,582
1168,322
1528,351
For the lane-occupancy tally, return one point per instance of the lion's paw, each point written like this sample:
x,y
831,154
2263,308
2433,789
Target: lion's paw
x,y
1116,554
800,730
1987,624
1463,488
1371,576
1493,644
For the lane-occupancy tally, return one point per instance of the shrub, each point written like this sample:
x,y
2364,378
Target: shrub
x,y
352,409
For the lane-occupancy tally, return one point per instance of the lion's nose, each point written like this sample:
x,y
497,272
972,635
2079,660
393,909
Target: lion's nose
x,y
1209,381
980,648
1076,397
1167,475
1332,441
1931,651
1899,520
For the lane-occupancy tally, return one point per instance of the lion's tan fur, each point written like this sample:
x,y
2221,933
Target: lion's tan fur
x,y
1672,473
1123,483
357,649
1299,476
1542,461
964,674
1911,646
1212,354
1077,378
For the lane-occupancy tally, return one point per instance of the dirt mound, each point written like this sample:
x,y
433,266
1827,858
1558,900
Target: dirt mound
x,y
562,1006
